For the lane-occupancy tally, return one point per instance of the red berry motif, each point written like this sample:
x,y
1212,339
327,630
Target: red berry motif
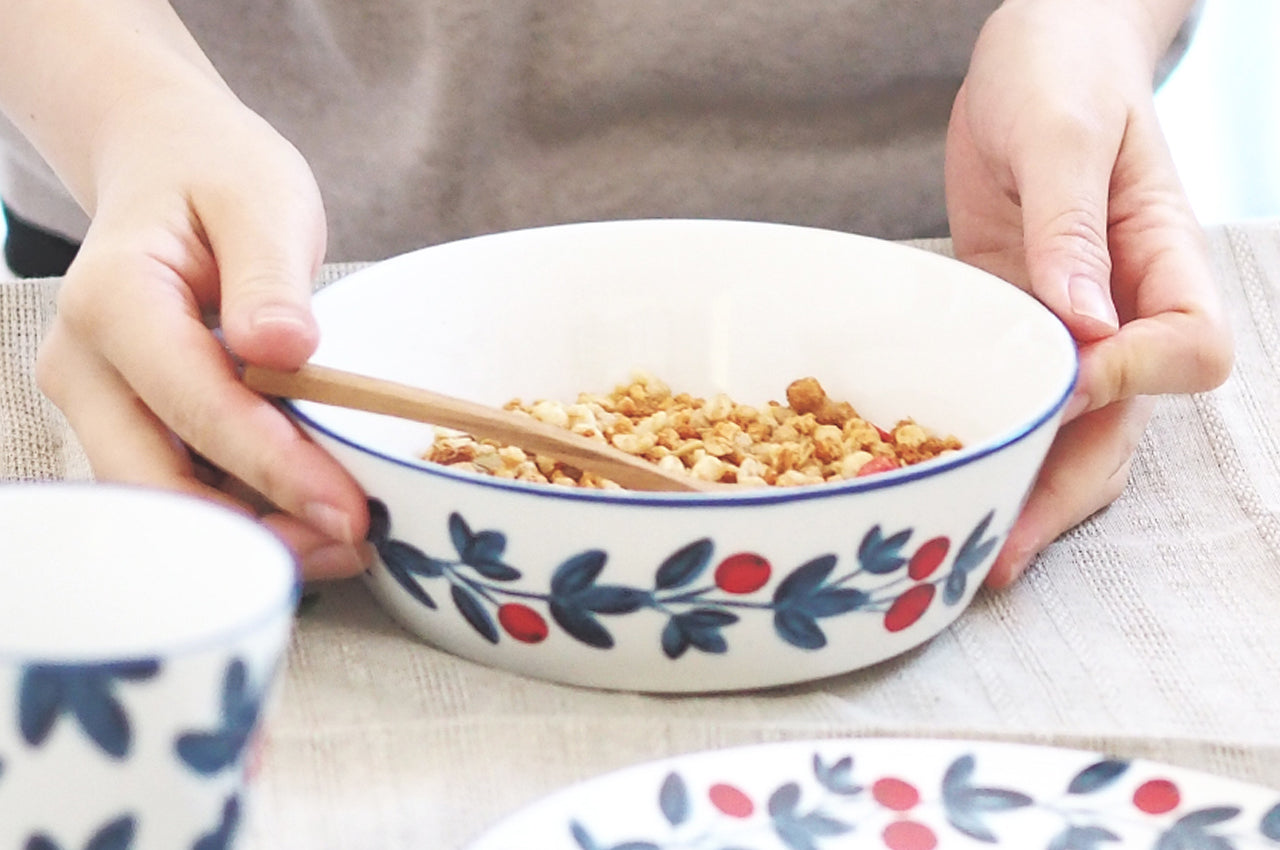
x,y
928,558
745,572
731,801
1157,796
909,835
895,794
909,607
877,464
522,623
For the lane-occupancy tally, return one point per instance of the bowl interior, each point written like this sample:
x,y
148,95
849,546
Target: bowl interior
x,y
101,571
707,306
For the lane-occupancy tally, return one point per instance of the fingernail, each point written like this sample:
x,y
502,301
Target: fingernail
x,y
337,560
1090,300
367,554
277,316
329,521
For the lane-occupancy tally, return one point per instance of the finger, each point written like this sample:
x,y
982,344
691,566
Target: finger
x,y
128,444
319,557
152,333
1176,337
1167,353
123,440
268,248
1087,468
1062,172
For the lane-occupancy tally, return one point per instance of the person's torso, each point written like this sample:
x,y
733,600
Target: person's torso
x,y
427,120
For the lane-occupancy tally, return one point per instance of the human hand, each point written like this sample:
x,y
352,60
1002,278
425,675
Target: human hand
x,y
1059,180
200,210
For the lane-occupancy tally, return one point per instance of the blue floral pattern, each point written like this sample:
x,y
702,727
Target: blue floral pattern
x,y
707,817
85,691
892,576
225,832
95,696
116,835
211,751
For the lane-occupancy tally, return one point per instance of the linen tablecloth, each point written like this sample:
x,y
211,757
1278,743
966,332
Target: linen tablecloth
x,y
1152,630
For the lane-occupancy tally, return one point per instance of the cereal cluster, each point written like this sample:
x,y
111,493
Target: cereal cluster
x,y
809,440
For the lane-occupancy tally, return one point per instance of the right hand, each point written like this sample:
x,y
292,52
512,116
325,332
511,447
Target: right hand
x,y
203,213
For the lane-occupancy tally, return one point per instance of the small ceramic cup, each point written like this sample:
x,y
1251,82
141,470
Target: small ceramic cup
x,y
140,635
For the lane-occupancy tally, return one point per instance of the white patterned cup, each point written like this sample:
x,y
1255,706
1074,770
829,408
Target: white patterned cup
x,y
140,635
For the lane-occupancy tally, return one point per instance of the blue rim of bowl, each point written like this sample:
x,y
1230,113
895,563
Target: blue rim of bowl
x,y
214,640
755,496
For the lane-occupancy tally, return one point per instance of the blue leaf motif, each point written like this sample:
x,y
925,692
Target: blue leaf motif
x,y
484,554
400,572
709,640
581,625
208,752
1190,832
1082,838
798,629
379,523
823,826
1270,826
612,599
955,586
783,802
837,777
87,692
495,570
582,837
674,640
804,580
459,534
965,804
485,546
100,714
138,670
684,565
482,551
116,835
832,601
225,832
975,550
409,559
797,831
879,555
1097,776
577,573
474,612
794,836
39,703
699,628
673,799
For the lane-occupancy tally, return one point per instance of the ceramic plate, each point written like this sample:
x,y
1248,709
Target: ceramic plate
x,y
914,794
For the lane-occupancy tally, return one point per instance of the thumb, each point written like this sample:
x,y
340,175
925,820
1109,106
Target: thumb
x,y
268,255
1063,189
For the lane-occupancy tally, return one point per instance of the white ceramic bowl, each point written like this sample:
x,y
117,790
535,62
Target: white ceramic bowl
x,y
140,636
624,590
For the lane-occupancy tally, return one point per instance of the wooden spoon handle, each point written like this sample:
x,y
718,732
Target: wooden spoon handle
x,y
375,395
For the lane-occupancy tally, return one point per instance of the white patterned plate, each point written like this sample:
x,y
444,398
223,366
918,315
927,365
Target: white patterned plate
x,y
900,794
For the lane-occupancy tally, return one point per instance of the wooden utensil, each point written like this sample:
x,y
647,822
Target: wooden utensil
x,y
375,395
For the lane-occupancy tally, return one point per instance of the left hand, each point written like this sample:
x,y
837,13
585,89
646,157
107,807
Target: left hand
x,y
1059,180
